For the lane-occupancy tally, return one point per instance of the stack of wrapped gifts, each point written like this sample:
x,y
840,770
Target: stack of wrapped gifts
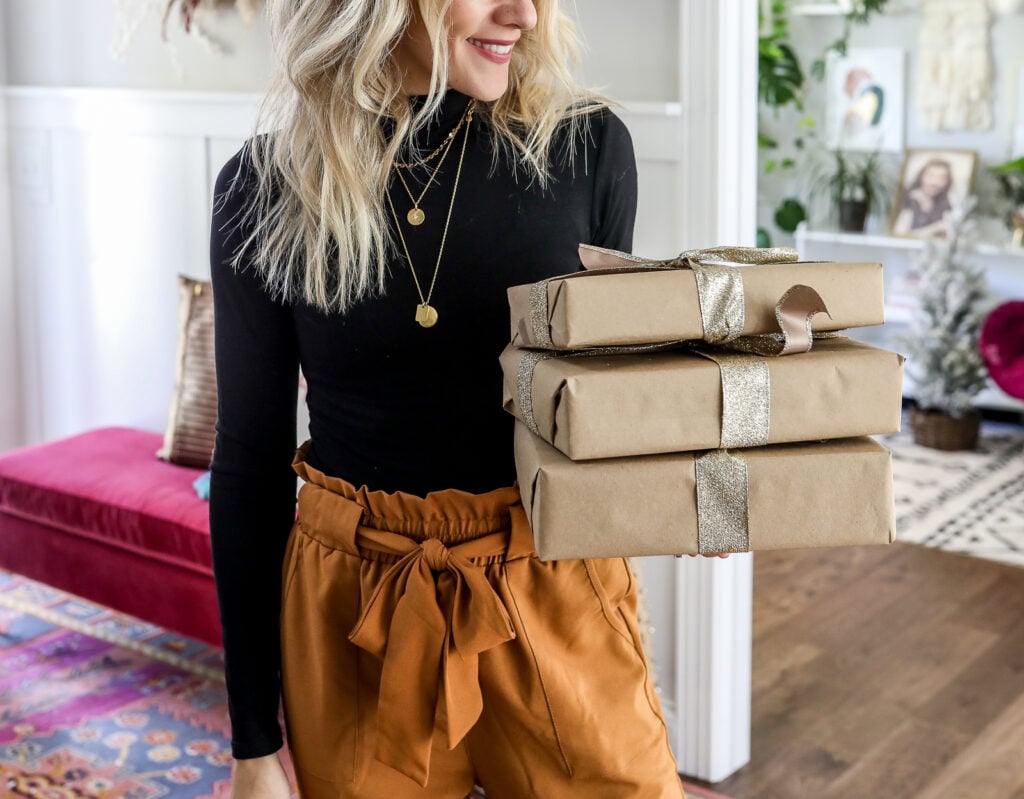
x,y
701,404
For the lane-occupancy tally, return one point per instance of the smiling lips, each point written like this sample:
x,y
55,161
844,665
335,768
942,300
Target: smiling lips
x,y
498,51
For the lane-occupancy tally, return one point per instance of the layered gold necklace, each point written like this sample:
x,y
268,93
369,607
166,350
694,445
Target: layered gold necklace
x,y
426,314
416,216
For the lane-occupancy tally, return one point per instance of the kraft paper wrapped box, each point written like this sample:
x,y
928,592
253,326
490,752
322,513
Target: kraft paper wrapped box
x,y
614,405
820,494
647,303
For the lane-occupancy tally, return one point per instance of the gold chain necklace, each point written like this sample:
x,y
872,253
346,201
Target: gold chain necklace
x,y
416,216
426,314
447,139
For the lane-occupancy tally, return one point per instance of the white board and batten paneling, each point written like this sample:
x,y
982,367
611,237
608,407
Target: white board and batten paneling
x,y
111,194
111,191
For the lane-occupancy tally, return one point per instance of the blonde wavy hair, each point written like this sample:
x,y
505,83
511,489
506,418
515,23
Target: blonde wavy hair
x,y
316,214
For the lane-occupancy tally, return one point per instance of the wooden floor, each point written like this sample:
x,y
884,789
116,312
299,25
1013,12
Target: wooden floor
x,y
885,672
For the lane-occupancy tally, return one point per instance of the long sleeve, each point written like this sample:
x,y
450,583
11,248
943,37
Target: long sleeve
x,y
252,484
615,186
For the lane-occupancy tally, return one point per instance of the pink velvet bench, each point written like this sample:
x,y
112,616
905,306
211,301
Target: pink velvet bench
x,y
99,515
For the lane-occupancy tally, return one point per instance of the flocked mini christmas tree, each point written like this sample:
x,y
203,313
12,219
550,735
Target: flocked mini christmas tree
x,y
942,342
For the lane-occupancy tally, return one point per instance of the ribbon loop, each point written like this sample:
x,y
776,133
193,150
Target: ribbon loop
x,y
793,313
429,633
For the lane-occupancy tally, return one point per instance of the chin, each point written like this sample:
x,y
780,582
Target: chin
x,y
483,89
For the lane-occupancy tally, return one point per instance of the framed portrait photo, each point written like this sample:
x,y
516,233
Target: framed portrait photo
x,y
931,181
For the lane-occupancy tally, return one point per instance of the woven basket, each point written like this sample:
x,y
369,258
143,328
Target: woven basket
x,y
940,431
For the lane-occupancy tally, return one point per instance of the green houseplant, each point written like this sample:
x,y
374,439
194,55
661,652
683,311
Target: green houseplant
x,y
853,185
942,341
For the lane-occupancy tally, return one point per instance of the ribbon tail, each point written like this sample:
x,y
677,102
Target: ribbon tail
x,y
479,619
479,622
460,700
409,678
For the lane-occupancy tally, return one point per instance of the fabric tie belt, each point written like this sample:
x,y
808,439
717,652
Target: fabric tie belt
x,y
429,618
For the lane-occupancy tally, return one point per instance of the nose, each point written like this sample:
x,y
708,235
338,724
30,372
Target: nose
x,y
521,14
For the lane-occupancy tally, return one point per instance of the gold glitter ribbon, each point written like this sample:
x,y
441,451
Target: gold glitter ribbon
x,y
722,489
719,285
722,484
746,398
540,315
524,387
720,294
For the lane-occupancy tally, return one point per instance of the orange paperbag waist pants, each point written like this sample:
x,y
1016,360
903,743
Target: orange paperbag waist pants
x,y
425,647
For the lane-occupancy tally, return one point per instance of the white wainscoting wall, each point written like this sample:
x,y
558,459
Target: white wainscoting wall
x,y
10,407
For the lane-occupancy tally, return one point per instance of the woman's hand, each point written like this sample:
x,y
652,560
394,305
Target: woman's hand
x,y
706,555
260,778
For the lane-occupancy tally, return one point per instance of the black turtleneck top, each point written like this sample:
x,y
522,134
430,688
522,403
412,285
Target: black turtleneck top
x,y
392,405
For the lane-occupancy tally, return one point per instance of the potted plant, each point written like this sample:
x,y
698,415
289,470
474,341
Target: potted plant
x,y
854,184
942,341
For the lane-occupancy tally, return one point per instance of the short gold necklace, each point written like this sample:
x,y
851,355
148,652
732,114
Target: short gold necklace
x,y
426,314
416,216
447,139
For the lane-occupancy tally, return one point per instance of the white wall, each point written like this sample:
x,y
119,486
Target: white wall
x,y
69,43
11,422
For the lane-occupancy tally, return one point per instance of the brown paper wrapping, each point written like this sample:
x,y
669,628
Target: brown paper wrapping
x,y
641,306
822,494
608,406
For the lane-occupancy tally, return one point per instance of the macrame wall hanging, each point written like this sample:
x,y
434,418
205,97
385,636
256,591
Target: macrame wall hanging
x,y
954,65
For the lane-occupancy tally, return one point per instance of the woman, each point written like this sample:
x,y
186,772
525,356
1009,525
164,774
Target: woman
x,y
926,201
425,156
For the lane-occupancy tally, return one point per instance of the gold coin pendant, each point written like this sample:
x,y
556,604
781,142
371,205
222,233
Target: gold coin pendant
x,y
415,216
426,315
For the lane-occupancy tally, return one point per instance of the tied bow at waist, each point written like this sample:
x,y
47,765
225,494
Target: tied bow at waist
x,y
429,618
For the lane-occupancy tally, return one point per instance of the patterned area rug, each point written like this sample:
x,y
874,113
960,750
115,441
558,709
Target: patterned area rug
x,y
966,502
95,704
